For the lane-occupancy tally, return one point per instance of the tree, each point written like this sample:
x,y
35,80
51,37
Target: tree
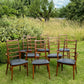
x,y
74,10
41,8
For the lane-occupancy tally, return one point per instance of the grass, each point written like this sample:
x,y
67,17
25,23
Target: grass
x,y
52,28
41,75
55,27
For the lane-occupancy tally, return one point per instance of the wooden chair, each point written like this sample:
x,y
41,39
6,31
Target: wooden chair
x,y
14,56
46,38
31,46
54,47
72,45
39,62
24,46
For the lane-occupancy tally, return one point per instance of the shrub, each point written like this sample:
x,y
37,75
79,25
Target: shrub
x,y
17,28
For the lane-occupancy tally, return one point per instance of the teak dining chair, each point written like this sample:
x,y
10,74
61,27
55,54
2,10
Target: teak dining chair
x,y
54,47
72,45
24,45
63,37
42,61
31,45
14,56
46,38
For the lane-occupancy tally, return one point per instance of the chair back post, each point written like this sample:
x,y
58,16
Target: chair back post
x,y
35,49
76,50
7,52
64,47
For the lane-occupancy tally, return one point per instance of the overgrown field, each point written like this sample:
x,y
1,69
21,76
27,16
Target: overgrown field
x,y
52,28
56,26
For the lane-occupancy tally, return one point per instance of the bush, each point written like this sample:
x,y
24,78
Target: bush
x,y
17,28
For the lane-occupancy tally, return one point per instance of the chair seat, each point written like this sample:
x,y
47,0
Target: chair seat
x,y
66,49
54,55
25,50
40,61
42,50
18,61
31,55
66,61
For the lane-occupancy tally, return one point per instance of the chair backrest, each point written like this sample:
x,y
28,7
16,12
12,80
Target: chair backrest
x,y
46,38
62,37
54,44
24,42
13,49
31,43
72,45
40,44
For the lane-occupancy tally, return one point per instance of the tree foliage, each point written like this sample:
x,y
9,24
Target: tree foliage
x,y
41,8
74,10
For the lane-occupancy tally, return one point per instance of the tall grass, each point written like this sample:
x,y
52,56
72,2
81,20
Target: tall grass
x,y
54,27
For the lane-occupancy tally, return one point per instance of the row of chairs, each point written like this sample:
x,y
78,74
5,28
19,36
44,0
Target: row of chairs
x,y
33,47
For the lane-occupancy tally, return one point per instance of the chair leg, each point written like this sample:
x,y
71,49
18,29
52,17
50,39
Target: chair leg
x,y
48,59
7,68
61,67
57,68
48,70
19,68
33,71
27,68
73,72
12,73
76,69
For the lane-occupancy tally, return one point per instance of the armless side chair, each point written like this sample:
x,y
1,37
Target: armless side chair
x,y
42,58
14,56
71,58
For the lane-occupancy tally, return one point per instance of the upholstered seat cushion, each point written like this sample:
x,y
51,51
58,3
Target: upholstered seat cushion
x,y
54,55
18,61
66,49
66,61
42,50
31,55
40,61
25,50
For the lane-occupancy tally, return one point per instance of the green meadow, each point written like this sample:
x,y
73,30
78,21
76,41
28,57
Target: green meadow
x,y
54,27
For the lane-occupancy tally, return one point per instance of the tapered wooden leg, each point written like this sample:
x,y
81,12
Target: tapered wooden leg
x,y
27,68
33,71
12,73
19,68
48,59
61,67
48,70
7,68
73,72
76,69
57,69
